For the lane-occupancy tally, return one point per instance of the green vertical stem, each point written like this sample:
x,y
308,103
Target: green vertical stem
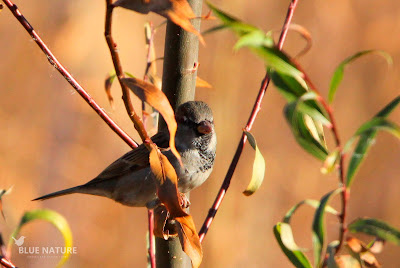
x,y
179,83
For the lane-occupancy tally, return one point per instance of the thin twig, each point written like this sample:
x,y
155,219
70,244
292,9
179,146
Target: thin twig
x,y
256,108
6,263
61,69
137,122
152,255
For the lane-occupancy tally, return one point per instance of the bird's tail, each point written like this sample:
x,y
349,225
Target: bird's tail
x,y
72,190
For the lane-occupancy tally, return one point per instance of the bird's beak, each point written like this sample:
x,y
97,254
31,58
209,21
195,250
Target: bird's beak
x,y
204,127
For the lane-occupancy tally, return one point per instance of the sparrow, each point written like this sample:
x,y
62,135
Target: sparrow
x,y
129,179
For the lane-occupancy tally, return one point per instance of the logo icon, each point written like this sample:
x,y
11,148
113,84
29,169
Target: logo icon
x,y
20,241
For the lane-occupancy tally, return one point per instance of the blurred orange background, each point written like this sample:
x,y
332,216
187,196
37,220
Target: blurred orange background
x,y
52,140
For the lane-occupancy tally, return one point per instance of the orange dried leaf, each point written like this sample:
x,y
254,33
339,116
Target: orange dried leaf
x,y
370,260
161,216
156,98
178,11
202,83
167,179
355,245
190,239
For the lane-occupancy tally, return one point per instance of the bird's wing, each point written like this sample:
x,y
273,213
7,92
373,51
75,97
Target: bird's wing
x,y
132,161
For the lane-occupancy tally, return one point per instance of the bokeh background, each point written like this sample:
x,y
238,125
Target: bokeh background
x,y
50,139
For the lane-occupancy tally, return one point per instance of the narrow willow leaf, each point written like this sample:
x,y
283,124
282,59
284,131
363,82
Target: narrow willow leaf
x,y
302,132
331,249
318,226
296,257
255,38
260,44
287,237
311,203
239,27
330,162
2,193
379,123
376,228
258,167
338,74
289,87
54,218
365,141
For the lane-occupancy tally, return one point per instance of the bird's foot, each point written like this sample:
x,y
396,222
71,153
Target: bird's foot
x,y
184,201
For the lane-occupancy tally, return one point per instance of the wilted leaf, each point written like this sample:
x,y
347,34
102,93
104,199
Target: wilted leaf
x,y
376,228
167,186
189,239
338,74
202,83
318,226
330,162
178,11
365,142
296,257
347,261
311,203
258,167
361,252
107,85
376,246
161,216
54,218
156,98
306,36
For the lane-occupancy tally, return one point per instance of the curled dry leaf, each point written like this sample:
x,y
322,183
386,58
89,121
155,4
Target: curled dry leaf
x,y
202,83
167,182
178,11
107,85
359,248
189,239
161,228
305,34
157,99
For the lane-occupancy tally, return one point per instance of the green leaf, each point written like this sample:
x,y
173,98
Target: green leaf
x,y
376,228
259,43
296,257
54,218
289,87
311,203
307,137
255,38
379,123
365,141
258,167
339,72
318,226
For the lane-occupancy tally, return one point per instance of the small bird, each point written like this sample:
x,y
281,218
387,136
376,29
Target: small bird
x,y
129,179
20,241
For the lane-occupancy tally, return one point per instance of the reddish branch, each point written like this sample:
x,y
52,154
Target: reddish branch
x,y
256,108
333,127
137,122
60,68
6,263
